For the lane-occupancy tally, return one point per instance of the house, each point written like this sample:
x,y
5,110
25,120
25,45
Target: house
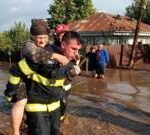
x,y
110,29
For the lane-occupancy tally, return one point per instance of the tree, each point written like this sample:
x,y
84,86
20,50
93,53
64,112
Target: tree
x,y
65,11
5,43
140,14
10,41
17,35
85,9
133,9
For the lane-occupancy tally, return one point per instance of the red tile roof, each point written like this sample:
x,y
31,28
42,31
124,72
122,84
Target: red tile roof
x,y
107,22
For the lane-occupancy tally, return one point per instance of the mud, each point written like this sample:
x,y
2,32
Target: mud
x,y
116,105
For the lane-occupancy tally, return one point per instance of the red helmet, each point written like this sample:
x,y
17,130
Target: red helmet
x,y
61,28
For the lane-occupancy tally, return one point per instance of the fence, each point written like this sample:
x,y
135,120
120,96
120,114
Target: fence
x,y
120,54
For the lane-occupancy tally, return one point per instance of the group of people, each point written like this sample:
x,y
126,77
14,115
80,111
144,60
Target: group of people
x,y
46,71
98,58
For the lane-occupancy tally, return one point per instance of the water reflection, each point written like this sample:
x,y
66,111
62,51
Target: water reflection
x,y
121,88
131,87
97,86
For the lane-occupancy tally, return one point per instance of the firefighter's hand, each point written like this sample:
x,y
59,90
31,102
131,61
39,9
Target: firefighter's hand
x,y
60,58
77,62
77,59
75,70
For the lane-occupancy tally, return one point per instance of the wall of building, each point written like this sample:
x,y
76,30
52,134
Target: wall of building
x,y
113,40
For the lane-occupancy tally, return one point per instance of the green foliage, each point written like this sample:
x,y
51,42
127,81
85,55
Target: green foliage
x,y
10,41
5,43
65,11
18,34
85,9
133,9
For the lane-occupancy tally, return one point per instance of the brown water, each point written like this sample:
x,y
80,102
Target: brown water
x,y
122,98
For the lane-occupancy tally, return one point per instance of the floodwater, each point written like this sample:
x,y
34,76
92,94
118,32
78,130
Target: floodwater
x,y
122,98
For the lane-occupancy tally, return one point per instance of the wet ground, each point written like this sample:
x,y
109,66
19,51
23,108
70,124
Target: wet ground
x,y
117,105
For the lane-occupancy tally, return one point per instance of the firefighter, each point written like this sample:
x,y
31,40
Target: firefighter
x,y
59,32
42,92
37,51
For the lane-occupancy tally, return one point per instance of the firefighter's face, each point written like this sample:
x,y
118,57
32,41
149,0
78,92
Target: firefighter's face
x,y
71,49
41,40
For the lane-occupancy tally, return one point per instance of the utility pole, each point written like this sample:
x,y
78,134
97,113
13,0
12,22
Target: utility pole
x,y
140,13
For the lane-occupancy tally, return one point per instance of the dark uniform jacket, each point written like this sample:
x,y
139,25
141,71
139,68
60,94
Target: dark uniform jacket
x,y
39,87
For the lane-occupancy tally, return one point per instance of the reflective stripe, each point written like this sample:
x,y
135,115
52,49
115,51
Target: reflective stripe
x,y
13,79
67,87
38,78
53,106
25,68
9,99
47,82
42,107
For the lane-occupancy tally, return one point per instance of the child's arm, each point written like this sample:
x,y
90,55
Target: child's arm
x,y
39,55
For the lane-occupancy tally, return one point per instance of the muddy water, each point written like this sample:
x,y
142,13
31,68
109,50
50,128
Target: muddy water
x,y
124,95
3,79
122,98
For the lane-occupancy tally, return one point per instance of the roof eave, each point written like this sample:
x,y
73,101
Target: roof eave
x,y
112,32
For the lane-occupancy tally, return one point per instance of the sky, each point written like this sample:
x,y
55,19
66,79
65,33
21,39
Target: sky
x,y
12,11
